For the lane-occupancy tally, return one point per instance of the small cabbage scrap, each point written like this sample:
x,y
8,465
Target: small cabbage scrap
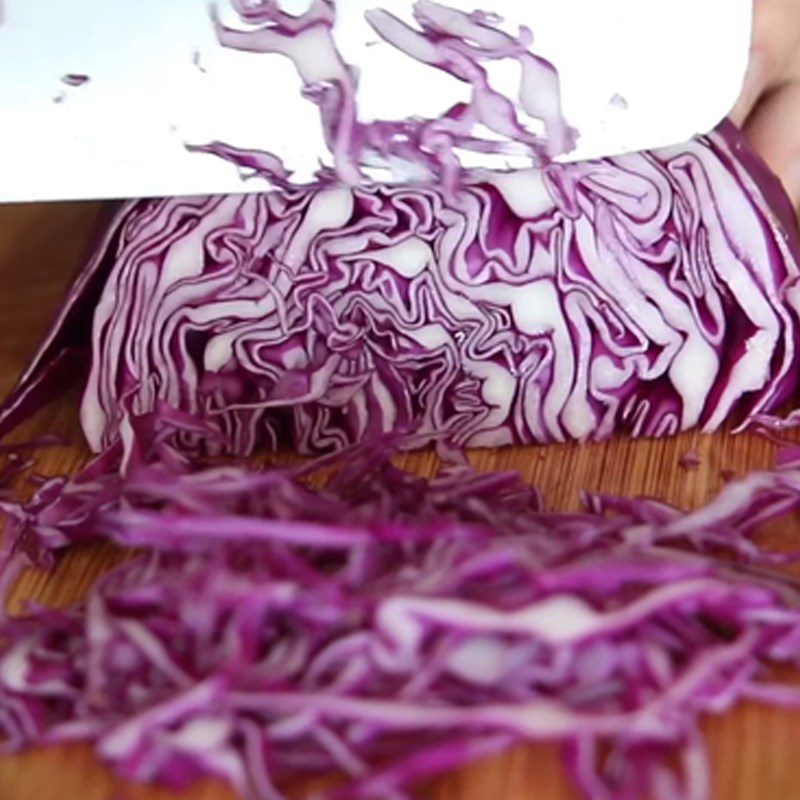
x,y
389,627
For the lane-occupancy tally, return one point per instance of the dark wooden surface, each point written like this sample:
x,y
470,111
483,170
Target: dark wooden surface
x,y
755,750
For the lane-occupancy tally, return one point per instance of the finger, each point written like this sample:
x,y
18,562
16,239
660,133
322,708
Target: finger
x,y
775,40
756,82
773,128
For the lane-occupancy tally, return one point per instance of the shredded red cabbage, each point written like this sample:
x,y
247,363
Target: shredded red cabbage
x,y
446,39
390,627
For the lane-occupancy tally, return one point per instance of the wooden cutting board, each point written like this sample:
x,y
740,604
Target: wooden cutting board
x,y
754,750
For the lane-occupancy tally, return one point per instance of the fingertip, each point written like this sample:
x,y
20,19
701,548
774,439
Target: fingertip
x,y
773,130
755,83
774,45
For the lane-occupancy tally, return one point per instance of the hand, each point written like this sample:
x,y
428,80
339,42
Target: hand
x,y
768,109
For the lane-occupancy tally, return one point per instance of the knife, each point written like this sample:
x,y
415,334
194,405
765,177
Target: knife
x,y
100,100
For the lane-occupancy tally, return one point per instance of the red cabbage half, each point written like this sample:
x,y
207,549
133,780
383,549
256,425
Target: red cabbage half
x,y
648,293
652,292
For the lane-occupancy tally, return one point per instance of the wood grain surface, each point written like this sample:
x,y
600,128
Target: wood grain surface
x,y
755,750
